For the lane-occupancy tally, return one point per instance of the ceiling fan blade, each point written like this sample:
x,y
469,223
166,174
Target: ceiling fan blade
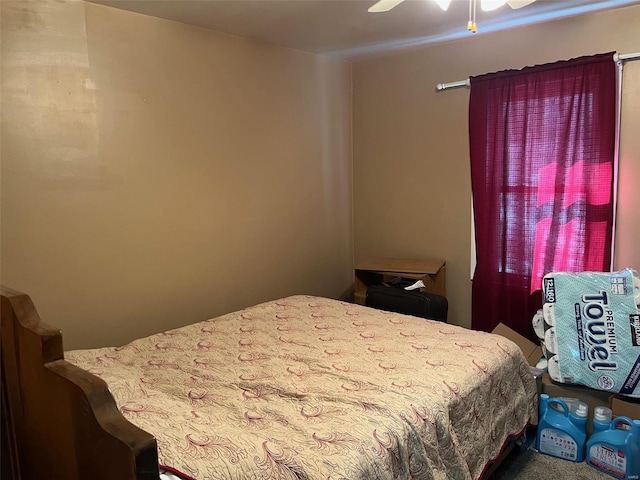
x,y
515,4
384,5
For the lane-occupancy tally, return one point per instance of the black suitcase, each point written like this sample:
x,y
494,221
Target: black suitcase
x,y
399,300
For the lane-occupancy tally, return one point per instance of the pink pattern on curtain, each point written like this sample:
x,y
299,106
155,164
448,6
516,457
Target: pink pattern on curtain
x,y
542,143
572,252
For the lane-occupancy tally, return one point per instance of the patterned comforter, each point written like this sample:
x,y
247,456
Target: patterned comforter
x,y
313,388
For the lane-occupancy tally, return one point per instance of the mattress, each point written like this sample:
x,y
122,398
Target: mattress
x,y
313,388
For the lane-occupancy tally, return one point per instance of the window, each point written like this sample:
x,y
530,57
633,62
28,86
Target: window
x,y
542,159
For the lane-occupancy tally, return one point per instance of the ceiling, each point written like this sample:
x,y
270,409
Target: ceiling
x,y
344,29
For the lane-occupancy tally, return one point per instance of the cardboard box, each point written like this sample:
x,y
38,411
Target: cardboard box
x,y
593,398
619,404
622,406
531,351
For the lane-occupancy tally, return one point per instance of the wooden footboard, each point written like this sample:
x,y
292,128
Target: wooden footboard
x,y
59,421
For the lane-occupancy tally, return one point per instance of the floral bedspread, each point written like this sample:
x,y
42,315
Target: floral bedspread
x,y
312,388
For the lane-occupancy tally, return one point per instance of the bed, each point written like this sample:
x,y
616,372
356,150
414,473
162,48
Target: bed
x,y
298,388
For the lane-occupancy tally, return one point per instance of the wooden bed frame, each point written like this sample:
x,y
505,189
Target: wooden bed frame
x,y
59,421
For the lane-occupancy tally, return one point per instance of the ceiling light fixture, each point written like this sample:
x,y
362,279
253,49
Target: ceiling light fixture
x,y
444,4
490,5
486,5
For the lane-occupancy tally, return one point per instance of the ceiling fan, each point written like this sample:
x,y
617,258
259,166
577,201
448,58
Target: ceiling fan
x,y
486,5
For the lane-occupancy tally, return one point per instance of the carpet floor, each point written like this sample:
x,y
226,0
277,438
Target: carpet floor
x,y
530,465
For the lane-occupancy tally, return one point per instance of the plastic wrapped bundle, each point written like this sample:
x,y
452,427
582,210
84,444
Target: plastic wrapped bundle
x,y
592,329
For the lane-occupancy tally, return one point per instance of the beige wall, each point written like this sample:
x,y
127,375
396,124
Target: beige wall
x,y
155,174
412,188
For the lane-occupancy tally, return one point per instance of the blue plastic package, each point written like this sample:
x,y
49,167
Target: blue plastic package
x,y
592,329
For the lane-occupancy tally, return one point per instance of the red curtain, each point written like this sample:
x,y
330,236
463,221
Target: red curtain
x,y
542,143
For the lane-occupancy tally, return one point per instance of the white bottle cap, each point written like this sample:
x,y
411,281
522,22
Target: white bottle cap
x,y
582,409
602,414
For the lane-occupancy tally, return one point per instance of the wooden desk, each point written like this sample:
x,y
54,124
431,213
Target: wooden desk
x,y
376,270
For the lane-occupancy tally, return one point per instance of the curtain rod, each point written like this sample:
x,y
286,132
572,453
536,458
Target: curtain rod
x,y
467,83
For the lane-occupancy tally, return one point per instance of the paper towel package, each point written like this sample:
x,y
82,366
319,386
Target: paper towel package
x,y
592,329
